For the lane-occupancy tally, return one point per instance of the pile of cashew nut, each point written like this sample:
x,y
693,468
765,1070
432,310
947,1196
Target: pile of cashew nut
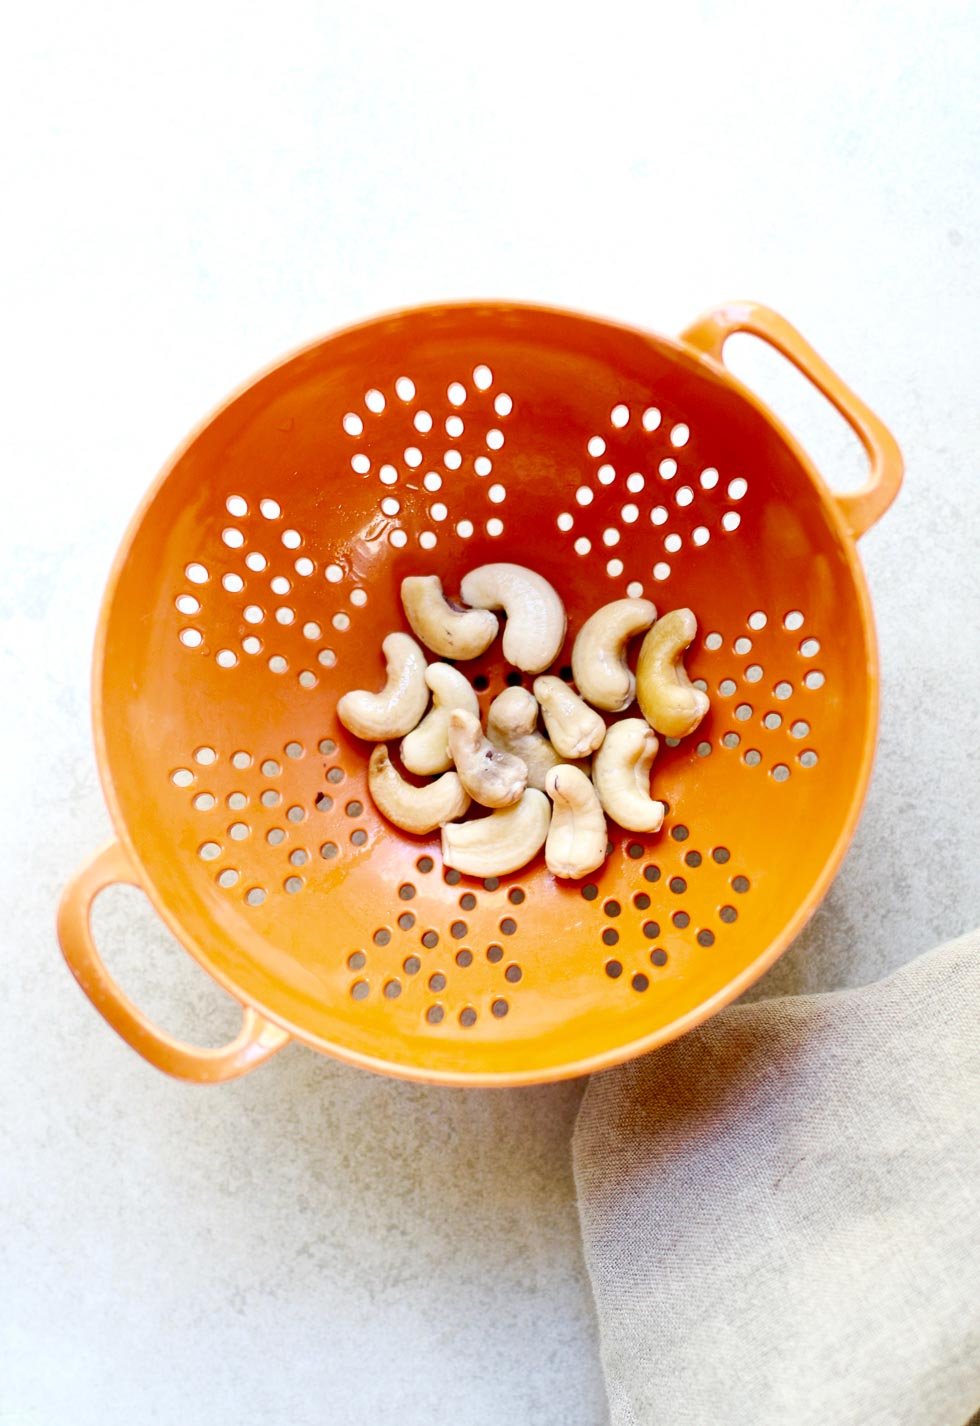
x,y
540,787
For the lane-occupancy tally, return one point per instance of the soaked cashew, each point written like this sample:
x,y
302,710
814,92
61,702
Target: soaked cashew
x,y
599,655
535,627
500,843
400,704
668,700
414,809
575,729
512,724
453,633
576,841
491,777
426,748
621,776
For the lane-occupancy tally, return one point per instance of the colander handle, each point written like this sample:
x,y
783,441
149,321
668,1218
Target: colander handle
x,y
861,509
255,1042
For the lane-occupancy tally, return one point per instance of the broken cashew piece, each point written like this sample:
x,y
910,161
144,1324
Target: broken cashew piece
x,y
512,724
599,654
400,704
426,748
414,809
500,843
621,776
668,700
576,841
535,629
453,633
574,728
491,777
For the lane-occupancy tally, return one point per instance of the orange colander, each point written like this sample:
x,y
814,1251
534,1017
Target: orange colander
x,y
255,586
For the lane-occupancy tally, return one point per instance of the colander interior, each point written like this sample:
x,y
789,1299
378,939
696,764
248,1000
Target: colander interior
x,y
256,587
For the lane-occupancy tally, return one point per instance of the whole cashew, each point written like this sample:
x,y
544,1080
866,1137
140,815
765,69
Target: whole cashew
x,y
453,633
400,704
426,748
577,837
599,654
512,725
500,843
574,728
536,621
491,777
621,776
668,700
413,809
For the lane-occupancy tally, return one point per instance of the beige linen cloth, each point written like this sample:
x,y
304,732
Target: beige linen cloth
x,y
781,1213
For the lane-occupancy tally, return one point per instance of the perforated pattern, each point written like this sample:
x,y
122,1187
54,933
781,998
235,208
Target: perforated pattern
x,y
614,468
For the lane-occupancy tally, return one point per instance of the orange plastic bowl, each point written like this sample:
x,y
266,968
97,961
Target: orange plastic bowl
x,y
255,586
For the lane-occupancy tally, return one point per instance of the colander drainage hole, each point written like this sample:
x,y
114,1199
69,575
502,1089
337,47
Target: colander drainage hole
x,y
467,1017
499,1009
612,908
392,989
425,864
658,956
640,981
406,891
513,973
381,936
590,891
635,850
614,969
467,901
406,921
430,940
728,914
411,965
437,981
495,954
434,1014
610,937
740,883
681,919
508,926
360,990
651,872
458,930
491,883
516,896
680,833
651,930
692,858
356,960
641,901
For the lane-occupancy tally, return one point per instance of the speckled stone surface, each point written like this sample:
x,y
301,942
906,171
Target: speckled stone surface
x,y
189,198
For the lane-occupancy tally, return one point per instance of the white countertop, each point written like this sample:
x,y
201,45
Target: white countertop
x,y
190,196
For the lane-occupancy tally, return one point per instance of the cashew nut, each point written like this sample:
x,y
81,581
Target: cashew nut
x,y
400,704
668,700
621,776
426,748
599,655
491,777
500,843
535,627
512,724
576,841
574,728
413,809
453,633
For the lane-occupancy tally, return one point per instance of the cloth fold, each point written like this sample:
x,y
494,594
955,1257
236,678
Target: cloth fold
x,y
781,1215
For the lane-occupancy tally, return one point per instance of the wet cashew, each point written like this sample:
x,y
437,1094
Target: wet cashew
x,y
500,843
573,727
576,841
599,655
426,748
621,776
491,777
413,809
400,704
668,700
535,627
453,633
512,724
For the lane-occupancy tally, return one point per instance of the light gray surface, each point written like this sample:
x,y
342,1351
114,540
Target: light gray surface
x,y
187,199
